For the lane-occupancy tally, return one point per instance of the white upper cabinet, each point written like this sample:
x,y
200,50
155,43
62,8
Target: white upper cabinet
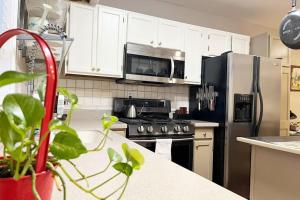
x,y
240,44
142,29
110,43
99,38
170,34
218,42
195,46
82,25
148,30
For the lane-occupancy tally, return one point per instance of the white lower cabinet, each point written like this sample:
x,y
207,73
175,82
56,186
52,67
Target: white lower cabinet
x,y
99,38
203,152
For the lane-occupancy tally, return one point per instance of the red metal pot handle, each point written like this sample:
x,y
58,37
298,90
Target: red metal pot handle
x,y
50,95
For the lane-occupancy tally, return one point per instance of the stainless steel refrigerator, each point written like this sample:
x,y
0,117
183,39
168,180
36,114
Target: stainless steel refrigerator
x,y
247,104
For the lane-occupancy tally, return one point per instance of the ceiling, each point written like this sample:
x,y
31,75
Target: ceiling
x,y
266,13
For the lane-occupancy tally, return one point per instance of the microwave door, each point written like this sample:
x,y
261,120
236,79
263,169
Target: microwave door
x,y
149,69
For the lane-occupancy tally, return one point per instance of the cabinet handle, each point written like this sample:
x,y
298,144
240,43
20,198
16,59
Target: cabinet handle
x,y
98,69
185,77
202,145
152,42
204,134
93,69
159,43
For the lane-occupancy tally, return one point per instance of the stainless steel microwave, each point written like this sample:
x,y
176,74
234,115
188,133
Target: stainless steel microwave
x,y
149,64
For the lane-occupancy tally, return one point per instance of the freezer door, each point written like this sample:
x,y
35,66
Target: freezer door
x,y
270,83
237,154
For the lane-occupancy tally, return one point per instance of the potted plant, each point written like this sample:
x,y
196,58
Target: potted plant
x,y
27,170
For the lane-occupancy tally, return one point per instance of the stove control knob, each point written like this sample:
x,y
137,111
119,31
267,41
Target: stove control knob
x,y
164,129
186,129
141,129
177,128
150,129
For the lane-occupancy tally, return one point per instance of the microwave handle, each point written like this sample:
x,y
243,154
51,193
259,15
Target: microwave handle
x,y
172,69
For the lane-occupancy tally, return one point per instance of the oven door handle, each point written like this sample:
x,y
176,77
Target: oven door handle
x,y
172,68
173,140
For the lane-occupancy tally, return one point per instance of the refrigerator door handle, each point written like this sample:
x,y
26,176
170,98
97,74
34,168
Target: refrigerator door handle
x,y
261,102
254,88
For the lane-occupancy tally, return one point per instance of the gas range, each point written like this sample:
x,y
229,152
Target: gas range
x,y
152,123
152,127
152,120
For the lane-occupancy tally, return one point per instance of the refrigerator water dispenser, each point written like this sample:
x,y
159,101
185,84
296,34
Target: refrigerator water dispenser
x,y
243,104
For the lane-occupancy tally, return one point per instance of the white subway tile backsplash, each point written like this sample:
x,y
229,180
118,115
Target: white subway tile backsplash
x,y
121,86
79,92
79,83
88,92
105,85
141,94
100,93
97,84
113,85
147,88
70,83
88,84
141,88
62,83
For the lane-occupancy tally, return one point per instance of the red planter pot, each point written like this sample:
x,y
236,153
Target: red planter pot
x,y
11,189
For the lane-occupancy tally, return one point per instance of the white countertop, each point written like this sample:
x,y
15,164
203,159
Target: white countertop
x,y
290,144
203,124
158,179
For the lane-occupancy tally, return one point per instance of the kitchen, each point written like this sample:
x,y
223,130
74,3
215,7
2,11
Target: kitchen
x,y
167,71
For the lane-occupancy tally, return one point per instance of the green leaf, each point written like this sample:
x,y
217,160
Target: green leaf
x,y
41,90
23,109
18,154
56,124
123,168
71,97
108,120
113,155
133,156
137,158
7,135
66,146
10,77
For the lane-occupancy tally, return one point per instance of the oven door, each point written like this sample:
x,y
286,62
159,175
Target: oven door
x,y
181,151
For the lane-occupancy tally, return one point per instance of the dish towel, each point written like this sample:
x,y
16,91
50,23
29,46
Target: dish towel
x,y
163,148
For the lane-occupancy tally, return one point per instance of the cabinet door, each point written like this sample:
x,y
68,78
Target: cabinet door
x,y
218,42
141,29
82,25
194,46
279,50
110,42
240,44
203,158
170,34
285,102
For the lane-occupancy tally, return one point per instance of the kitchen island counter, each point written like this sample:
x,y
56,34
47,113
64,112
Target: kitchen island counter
x,y
157,179
275,163
289,144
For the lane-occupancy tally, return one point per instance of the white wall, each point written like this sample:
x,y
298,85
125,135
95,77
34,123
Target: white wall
x,y
8,20
182,14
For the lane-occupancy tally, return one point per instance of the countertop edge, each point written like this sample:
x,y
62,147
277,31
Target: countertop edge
x,y
204,124
268,145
